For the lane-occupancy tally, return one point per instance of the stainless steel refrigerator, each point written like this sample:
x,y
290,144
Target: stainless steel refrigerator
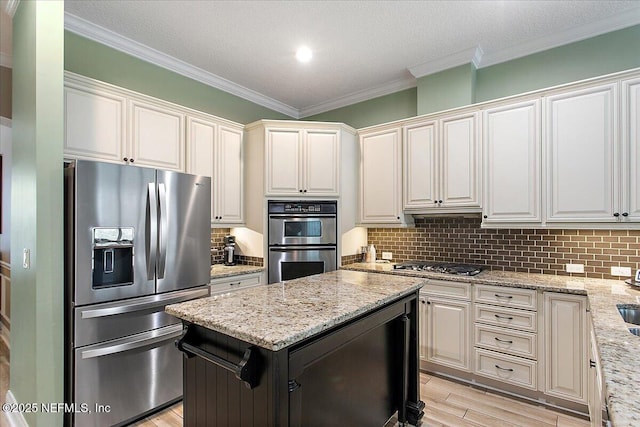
x,y
136,239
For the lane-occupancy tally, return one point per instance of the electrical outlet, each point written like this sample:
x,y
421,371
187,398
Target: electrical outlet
x,y
621,271
26,258
574,268
387,255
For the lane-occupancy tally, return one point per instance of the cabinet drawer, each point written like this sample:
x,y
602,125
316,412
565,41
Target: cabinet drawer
x,y
507,297
509,369
506,317
448,289
230,284
505,340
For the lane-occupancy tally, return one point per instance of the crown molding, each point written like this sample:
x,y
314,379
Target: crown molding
x,y
571,35
471,55
6,60
109,38
11,6
359,96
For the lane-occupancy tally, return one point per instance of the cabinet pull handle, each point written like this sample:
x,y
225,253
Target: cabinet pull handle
x,y
503,317
503,296
503,341
616,214
504,369
625,213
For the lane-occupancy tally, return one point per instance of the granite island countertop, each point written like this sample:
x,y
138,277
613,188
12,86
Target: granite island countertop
x,y
618,348
281,314
220,270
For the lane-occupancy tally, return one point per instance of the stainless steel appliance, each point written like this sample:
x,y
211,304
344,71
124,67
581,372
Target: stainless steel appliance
x,y
440,267
229,250
136,239
302,238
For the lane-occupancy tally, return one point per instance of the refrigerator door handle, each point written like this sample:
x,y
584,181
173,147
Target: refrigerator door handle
x,y
152,230
164,231
157,301
156,336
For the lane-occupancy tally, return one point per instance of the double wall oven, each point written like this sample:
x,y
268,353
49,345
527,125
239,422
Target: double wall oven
x,y
302,238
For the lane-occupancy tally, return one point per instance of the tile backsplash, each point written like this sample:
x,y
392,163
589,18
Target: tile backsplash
x,y
217,252
460,239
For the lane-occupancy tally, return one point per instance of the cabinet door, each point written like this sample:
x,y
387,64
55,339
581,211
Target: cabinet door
x,y
157,137
201,137
283,161
94,124
565,346
631,149
581,127
230,182
448,333
512,163
380,200
321,163
460,177
419,161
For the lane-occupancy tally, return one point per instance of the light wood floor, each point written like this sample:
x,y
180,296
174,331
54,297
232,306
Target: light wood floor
x,y
447,404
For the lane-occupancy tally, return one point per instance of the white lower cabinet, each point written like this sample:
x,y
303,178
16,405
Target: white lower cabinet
x,y
565,324
446,326
224,285
596,386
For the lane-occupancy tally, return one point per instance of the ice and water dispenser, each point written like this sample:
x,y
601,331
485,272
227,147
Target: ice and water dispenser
x,y
112,257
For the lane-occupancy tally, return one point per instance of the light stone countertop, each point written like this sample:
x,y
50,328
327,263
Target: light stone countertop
x,y
220,270
619,350
281,314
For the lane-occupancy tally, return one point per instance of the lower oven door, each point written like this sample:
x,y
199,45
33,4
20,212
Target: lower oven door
x,y
122,379
291,262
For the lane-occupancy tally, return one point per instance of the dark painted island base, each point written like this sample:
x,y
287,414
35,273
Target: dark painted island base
x,y
359,373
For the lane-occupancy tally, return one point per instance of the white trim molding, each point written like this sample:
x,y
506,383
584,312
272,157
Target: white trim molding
x,y
5,121
471,55
14,419
6,60
109,38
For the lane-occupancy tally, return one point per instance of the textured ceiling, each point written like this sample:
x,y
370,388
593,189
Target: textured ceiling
x,y
361,48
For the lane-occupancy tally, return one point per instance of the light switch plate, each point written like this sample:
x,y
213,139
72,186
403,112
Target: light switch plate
x,y
26,258
621,271
387,255
575,268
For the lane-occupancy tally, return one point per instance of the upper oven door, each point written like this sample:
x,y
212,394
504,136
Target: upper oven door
x,y
287,229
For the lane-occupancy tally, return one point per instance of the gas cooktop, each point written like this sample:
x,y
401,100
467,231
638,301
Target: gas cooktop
x,y
440,267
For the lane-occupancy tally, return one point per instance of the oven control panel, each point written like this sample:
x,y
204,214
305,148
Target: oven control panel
x,y
325,207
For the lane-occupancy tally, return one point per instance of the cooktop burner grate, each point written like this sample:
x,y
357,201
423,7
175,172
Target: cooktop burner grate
x,y
440,267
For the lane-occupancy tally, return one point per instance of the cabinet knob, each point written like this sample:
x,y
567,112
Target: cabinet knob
x,y
131,160
300,191
305,191
126,159
625,213
398,217
485,216
439,201
435,201
592,364
616,214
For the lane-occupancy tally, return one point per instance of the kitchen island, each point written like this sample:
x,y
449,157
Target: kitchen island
x,y
338,348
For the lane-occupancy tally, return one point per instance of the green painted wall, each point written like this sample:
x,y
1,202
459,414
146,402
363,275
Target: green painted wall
x,y
395,106
91,59
605,54
36,207
446,89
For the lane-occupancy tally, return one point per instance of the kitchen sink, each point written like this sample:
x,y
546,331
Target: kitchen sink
x,y
630,313
635,331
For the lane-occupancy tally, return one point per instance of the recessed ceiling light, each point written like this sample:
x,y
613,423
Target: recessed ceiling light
x,y
304,54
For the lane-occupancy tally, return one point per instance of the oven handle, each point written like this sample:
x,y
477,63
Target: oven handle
x,y
158,301
310,216
148,338
302,248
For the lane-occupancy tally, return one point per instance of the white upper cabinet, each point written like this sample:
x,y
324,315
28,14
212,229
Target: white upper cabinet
x,y
157,136
512,150
215,150
302,162
631,149
582,155
95,123
380,177
442,165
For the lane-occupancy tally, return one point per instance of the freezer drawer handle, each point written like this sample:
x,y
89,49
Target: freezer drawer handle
x,y
246,371
149,339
